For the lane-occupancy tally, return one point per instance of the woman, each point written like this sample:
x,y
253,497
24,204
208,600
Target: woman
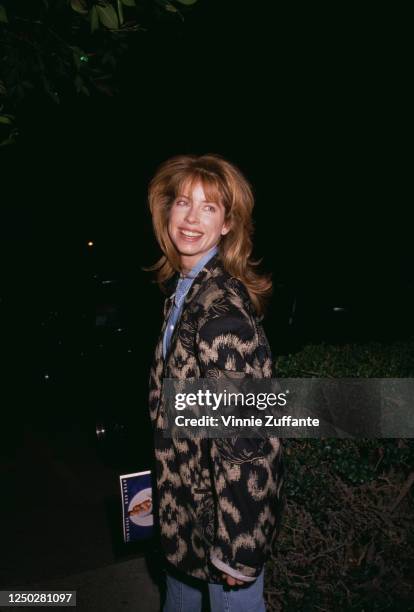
x,y
218,501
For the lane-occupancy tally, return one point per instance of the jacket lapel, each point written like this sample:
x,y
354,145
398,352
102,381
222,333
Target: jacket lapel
x,y
204,274
199,280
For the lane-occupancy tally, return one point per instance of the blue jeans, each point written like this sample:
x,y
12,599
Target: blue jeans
x,y
187,595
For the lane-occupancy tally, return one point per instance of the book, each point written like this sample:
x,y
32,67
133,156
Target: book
x,y
137,515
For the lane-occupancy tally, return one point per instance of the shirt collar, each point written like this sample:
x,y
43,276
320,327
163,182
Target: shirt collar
x,y
184,283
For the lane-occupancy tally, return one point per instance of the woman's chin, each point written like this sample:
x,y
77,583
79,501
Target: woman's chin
x,y
186,248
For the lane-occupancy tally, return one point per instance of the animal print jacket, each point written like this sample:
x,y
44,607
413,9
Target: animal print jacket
x,y
218,502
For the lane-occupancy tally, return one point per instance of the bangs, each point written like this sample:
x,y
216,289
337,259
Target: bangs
x,y
213,187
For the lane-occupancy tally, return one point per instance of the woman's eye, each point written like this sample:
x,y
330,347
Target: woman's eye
x,y
181,202
210,208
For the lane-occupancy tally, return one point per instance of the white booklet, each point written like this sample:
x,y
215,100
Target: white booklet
x,y
136,496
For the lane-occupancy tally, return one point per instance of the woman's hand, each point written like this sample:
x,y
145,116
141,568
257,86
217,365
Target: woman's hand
x,y
232,581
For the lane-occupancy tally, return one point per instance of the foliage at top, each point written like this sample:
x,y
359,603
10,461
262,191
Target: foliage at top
x,y
65,47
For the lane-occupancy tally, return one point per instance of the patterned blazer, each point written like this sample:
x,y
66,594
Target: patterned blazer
x,y
218,502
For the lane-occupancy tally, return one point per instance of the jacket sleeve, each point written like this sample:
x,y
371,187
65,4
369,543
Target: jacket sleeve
x,y
241,473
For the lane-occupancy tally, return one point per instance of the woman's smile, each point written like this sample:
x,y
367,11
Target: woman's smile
x,y
190,235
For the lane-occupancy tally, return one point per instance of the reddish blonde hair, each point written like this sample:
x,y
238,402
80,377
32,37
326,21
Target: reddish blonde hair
x,y
222,182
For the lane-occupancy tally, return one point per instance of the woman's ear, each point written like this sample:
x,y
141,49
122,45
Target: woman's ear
x,y
225,229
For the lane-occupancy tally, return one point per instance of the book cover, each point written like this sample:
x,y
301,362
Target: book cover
x,y
137,516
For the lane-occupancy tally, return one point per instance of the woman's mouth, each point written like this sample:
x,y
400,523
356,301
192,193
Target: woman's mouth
x,y
190,236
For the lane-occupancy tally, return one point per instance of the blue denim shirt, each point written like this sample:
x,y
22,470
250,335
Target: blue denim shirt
x,y
181,290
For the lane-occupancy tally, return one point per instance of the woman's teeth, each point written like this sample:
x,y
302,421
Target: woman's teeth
x,y
191,234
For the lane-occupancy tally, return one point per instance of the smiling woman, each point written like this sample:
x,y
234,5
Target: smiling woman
x,y
195,225
185,181
215,527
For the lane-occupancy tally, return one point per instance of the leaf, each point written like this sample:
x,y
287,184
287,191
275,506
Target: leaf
x,y
78,83
128,2
79,6
108,17
11,139
5,120
120,12
94,19
187,2
76,57
3,15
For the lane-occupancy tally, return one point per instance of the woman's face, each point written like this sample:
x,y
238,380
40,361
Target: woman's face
x,y
195,225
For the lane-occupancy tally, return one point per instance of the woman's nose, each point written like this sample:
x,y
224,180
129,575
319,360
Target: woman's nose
x,y
192,215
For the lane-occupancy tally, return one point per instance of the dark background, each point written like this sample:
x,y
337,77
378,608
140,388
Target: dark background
x,y
312,110
314,117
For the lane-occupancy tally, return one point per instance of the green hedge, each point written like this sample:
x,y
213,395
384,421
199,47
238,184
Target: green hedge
x,y
371,360
347,539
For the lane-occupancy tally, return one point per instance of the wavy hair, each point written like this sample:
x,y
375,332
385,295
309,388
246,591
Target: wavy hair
x,y
222,182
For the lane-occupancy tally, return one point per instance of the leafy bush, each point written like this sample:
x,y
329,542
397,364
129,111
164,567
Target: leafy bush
x,y
63,47
347,537
373,360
